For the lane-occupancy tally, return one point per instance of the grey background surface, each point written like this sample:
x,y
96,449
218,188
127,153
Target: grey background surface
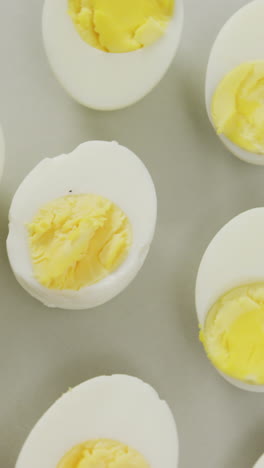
x,y
151,329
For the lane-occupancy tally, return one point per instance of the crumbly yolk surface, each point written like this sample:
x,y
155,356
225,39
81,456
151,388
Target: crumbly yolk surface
x,y
120,25
103,453
238,106
77,240
233,335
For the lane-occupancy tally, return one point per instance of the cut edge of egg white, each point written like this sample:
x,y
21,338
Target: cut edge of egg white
x,y
233,46
231,259
103,168
103,80
117,407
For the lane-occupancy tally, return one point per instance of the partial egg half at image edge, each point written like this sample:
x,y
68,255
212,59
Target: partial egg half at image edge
x,y
118,407
260,463
234,257
103,80
239,41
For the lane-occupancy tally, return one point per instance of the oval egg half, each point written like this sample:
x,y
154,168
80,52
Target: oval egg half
x,y
106,169
233,258
119,408
103,80
239,41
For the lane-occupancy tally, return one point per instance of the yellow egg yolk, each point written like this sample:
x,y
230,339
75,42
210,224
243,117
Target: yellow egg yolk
x,y
120,25
233,335
102,453
77,240
238,106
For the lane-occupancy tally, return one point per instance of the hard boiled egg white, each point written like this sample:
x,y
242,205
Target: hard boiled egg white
x,y
117,407
103,80
260,463
234,257
101,168
240,40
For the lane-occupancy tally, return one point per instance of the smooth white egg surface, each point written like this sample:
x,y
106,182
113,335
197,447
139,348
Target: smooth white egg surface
x,y
239,41
102,80
101,168
2,151
235,257
260,463
117,407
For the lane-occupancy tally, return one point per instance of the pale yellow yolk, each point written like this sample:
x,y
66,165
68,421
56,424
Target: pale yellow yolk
x,y
233,335
77,240
238,107
102,453
120,25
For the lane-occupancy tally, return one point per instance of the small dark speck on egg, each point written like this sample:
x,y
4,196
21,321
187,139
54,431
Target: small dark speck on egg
x,y
70,190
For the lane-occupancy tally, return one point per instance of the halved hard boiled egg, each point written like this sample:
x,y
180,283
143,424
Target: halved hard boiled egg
x,y
230,300
106,80
2,151
234,83
260,463
111,421
81,225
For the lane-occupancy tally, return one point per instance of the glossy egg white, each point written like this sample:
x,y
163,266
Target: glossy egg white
x,y
234,257
101,80
117,407
240,40
260,463
2,152
103,168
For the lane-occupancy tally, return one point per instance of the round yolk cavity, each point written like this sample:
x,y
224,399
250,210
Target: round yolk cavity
x,y
238,106
233,335
102,453
120,25
77,240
